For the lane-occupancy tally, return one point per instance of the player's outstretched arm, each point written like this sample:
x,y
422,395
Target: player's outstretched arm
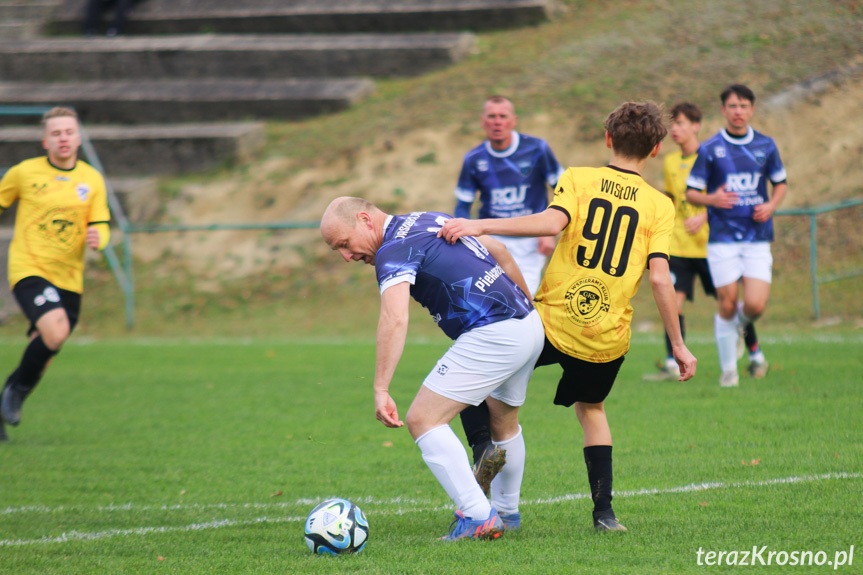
x,y
499,252
392,331
663,295
547,223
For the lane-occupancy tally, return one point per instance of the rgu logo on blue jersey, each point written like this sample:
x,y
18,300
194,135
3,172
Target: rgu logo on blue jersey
x,y
509,195
743,182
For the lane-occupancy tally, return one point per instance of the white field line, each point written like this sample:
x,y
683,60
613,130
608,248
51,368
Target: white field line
x,y
413,506
795,338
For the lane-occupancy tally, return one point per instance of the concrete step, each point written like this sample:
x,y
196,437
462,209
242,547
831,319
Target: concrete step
x,y
31,10
150,149
231,56
19,29
168,101
316,16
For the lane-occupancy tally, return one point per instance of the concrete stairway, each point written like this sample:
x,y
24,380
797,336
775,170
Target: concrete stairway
x,y
167,148
231,56
317,16
23,19
154,93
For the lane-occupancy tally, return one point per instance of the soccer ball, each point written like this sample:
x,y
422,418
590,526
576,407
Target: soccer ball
x,y
336,526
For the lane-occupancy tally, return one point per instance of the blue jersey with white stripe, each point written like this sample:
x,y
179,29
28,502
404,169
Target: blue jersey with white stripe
x,y
461,285
511,182
744,165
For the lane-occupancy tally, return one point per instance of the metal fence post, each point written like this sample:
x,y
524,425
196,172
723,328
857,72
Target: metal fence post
x,y
813,263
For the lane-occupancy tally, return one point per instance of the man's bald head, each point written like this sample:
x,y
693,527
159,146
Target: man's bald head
x,y
354,227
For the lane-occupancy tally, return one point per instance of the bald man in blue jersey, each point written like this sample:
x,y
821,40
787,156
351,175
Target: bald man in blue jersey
x,y
475,293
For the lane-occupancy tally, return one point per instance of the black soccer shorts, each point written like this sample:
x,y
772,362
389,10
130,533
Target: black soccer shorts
x,y
582,381
37,296
685,270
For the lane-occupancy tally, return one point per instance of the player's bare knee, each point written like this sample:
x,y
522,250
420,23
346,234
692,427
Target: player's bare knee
x,y
415,422
56,336
586,411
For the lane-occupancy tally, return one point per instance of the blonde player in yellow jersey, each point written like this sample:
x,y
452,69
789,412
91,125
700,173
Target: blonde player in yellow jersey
x,y
613,226
62,208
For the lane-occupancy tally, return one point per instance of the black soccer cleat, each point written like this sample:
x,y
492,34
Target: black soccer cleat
x,y
3,436
490,463
607,522
10,407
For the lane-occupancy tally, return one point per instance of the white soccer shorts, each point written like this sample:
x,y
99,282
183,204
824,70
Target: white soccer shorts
x,y
732,261
494,360
525,252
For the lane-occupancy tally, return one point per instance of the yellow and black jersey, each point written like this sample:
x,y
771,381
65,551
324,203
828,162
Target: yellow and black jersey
x,y
55,207
617,223
683,244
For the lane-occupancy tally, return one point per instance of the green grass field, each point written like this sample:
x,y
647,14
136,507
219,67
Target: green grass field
x,y
159,456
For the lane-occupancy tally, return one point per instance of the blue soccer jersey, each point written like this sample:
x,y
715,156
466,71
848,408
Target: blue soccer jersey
x,y
461,285
744,165
511,182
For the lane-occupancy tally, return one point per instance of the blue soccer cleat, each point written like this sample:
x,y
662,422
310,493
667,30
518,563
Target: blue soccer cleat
x,y
511,520
464,527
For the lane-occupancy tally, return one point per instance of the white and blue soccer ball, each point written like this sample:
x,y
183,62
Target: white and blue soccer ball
x,y
336,526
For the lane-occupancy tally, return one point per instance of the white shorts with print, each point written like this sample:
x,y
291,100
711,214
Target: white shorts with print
x,y
494,360
525,252
732,261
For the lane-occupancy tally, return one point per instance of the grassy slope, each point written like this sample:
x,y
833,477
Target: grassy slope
x,y
575,68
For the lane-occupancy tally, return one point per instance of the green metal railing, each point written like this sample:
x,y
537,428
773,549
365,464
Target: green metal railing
x,y
815,279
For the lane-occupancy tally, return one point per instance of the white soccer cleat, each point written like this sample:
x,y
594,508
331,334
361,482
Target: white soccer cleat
x,y
729,379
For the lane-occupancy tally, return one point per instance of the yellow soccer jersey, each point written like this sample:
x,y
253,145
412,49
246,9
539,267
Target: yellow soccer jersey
x,y
55,207
683,244
617,223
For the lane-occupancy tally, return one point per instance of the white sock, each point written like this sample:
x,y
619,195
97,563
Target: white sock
x,y
506,486
726,341
447,459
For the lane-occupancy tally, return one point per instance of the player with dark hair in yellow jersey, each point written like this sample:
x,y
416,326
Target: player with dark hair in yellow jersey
x,y
613,226
62,208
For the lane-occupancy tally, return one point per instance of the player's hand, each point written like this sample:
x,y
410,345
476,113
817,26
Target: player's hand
x,y
386,411
547,245
686,361
693,224
456,228
723,199
93,238
763,212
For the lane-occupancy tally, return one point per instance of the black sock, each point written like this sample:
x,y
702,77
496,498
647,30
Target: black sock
x,y
750,337
668,349
475,421
33,362
599,474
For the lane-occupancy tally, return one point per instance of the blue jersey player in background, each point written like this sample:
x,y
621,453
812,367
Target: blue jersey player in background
x,y
476,295
734,168
512,173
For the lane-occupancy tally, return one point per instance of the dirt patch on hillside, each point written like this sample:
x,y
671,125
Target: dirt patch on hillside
x,y
820,138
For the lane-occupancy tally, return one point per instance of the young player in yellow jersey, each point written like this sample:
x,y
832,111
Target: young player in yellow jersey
x,y
62,207
613,226
688,248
